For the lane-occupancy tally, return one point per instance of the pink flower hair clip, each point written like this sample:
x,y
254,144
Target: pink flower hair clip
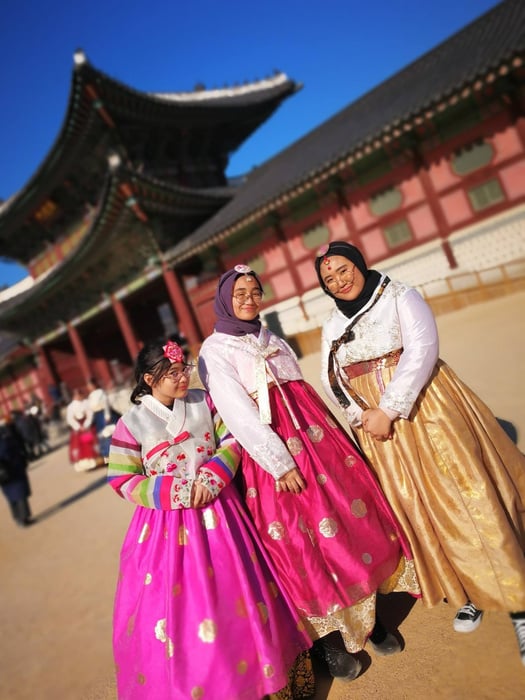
x,y
323,250
243,269
173,352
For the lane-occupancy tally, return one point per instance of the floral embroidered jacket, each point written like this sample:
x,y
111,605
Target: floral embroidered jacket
x,y
401,319
156,454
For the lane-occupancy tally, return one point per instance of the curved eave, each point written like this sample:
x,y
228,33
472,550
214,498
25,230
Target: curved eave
x,y
97,102
80,119
126,197
93,248
149,188
176,106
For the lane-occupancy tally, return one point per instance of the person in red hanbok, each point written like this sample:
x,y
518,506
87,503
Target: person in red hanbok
x,y
83,443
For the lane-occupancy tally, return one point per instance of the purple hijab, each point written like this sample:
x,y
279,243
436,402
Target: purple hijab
x,y
227,321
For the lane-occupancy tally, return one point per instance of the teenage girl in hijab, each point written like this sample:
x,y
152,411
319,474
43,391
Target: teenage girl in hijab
x,y
199,611
317,507
454,479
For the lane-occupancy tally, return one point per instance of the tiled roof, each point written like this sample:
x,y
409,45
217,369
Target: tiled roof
x,y
495,37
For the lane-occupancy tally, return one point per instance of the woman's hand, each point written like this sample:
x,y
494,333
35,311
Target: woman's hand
x,y
377,424
200,496
292,481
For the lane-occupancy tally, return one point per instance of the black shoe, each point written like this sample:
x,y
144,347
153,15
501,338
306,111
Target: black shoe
x,y
340,662
389,645
383,642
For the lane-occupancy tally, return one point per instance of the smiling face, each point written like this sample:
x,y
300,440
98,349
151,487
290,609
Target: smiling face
x,y
246,298
173,384
341,277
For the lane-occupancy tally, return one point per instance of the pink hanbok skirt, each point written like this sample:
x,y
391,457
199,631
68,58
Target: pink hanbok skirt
x,y
198,611
336,543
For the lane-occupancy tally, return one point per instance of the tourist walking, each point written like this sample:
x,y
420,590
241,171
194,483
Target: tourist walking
x,y
104,416
14,480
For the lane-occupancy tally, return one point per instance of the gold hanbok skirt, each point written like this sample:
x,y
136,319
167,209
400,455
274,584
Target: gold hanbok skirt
x,y
456,483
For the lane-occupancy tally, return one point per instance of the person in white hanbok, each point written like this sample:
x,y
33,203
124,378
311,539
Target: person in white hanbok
x,y
453,477
316,504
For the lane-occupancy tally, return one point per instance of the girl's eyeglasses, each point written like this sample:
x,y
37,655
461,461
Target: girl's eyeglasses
x,y
177,374
340,279
242,297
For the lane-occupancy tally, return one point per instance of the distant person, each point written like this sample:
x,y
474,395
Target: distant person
x,y
317,506
453,477
83,444
104,417
199,612
14,481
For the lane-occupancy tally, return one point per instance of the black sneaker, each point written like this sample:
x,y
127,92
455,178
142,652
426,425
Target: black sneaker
x,y
468,618
519,628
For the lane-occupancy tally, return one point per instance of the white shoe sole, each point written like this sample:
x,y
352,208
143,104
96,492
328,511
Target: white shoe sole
x,y
466,626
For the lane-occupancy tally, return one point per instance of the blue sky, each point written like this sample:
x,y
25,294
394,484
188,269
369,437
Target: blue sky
x,y
338,49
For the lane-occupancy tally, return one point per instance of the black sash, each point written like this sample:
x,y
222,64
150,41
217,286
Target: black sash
x,y
346,337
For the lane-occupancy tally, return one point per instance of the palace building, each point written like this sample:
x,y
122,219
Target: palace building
x,y
130,220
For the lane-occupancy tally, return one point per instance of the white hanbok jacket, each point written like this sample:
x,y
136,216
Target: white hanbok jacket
x,y
401,319
235,369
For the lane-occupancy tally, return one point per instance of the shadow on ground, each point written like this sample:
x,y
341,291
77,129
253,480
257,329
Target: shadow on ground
x,y
53,510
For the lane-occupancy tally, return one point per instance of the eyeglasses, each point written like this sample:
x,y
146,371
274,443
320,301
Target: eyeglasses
x,y
242,297
177,374
340,278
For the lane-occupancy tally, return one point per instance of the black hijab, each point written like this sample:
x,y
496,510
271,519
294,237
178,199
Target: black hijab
x,y
372,277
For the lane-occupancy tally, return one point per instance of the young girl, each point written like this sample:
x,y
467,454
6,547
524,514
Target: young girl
x,y
198,610
454,479
317,507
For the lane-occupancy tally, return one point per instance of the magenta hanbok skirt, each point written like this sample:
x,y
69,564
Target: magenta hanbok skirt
x,y
198,610
337,542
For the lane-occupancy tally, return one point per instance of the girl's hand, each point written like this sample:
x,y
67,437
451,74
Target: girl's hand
x,y
377,424
200,496
292,481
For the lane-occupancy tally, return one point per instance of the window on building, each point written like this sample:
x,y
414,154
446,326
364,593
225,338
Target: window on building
x,y
258,264
315,236
485,195
397,234
385,201
471,158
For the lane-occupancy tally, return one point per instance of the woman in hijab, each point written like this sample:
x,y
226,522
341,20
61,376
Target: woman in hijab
x,y
454,479
199,612
318,508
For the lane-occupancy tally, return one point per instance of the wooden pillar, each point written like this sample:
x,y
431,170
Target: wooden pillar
x,y
435,206
125,328
290,264
45,373
80,352
106,378
182,308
